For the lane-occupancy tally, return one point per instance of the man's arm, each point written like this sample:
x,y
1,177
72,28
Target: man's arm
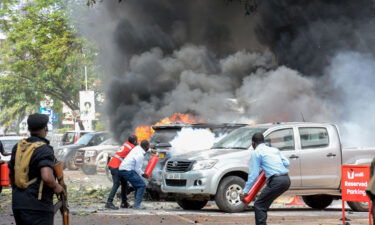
x,y
49,179
254,171
11,165
2,151
138,164
284,160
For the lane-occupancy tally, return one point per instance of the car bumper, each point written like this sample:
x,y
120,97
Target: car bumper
x,y
191,182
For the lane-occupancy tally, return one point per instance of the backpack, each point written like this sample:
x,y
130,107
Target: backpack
x,y
22,161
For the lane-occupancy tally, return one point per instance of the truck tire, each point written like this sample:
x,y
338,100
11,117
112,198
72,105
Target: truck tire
x,y
358,206
318,201
88,169
191,204
227,196
70,165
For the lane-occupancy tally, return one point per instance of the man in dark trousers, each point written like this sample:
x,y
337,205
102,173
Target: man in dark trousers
x,y
113,166
32,190
275,167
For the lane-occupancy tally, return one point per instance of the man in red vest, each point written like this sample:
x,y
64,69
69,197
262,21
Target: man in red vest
x,y
113,166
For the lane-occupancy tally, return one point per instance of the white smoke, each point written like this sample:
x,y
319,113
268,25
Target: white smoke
x,y
189,140
352,76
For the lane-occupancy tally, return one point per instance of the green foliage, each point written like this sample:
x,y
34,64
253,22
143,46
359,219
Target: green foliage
x,y
42,56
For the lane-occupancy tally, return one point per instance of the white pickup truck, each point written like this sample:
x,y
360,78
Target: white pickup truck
x,y
313,149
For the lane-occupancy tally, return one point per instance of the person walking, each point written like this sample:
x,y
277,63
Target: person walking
x,y
131,170
31,176
113,166
275,167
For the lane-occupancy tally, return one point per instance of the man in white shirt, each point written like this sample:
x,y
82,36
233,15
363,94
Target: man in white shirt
x,y
131,170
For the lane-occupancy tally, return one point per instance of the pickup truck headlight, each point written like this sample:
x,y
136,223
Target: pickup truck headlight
x,y
204,164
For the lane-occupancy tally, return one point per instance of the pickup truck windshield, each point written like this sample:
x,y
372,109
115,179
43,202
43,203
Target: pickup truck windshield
x,y
238,139
84,140
164,136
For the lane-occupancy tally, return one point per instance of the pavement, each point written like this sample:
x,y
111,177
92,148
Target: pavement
x,y
88,195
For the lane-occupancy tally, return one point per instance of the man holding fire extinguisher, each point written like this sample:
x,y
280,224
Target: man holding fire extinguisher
x,y
3,153
131,170
275,166
113,166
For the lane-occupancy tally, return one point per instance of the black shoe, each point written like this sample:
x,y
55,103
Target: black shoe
x,y
124,205
110,205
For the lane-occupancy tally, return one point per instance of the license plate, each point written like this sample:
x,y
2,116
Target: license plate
x,y
161,155
173,176
89,153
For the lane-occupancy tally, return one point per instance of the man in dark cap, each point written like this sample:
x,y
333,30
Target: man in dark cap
x,y
32,193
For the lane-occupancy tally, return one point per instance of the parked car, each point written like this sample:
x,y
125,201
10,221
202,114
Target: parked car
x,y
71,137
66,153
85,158
313,149
8,144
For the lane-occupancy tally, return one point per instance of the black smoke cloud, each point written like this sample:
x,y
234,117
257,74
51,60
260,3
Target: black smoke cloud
x,y
306,34
209,59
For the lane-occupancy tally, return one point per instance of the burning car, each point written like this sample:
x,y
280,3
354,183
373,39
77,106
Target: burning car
x,y
161,142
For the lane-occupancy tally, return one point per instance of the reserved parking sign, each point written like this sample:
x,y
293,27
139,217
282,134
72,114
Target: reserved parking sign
x,y
354,181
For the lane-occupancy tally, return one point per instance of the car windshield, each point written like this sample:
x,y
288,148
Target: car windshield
x,y
163,136
108,142
238,139
8,144
68,138
85,139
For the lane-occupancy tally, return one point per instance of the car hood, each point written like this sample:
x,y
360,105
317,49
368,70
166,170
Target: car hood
x,y
208,154
100,147
73,146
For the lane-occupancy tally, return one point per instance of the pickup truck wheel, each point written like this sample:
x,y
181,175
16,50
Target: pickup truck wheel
x,y
88,170
191,204
318,201
70,165
358,206
227,197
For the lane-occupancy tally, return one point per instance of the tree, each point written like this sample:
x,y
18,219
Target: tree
x,y
42,55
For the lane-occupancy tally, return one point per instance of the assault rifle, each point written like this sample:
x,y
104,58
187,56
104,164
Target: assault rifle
x,y
62,203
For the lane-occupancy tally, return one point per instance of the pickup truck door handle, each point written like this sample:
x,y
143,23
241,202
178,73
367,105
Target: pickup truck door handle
x,y
293,157
331,155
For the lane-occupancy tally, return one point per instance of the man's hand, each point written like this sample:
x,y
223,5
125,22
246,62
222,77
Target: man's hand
x,y
242,196
58,189
144,175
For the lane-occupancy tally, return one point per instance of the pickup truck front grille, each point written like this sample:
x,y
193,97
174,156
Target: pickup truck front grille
x,y
178,166
175,183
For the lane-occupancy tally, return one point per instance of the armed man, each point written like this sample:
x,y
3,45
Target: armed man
x,y
31,174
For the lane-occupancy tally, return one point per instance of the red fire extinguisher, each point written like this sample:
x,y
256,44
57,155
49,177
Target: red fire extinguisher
x,y
151,165
259,183
4,175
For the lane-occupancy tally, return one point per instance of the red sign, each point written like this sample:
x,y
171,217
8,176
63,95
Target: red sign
x,y
354,181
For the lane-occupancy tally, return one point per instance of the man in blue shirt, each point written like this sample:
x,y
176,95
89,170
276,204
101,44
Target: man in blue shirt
x,y
275,167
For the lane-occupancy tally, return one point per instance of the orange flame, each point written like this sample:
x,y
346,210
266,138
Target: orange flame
x,y
144,132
